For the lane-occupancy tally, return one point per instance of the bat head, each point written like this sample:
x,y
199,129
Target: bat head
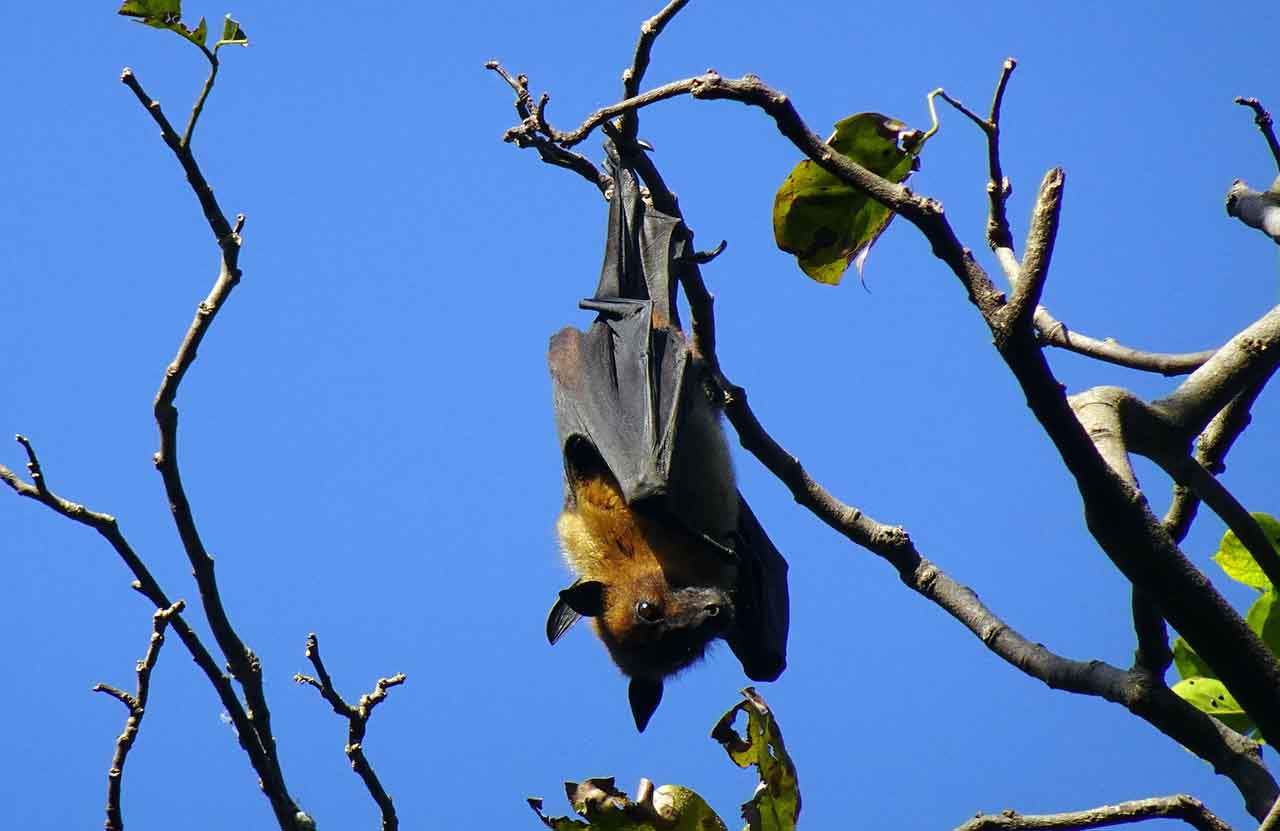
x,y
652,630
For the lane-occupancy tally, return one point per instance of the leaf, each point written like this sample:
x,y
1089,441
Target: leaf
x,y
1236,560
1209,695
199,34
232,34
165,14
1264,619
827,223
776,803
1189,664
669,808
557,823
160,14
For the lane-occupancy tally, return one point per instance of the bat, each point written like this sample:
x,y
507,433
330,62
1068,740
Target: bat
x,y
667,554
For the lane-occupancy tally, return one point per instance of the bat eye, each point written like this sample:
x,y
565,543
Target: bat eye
x,y
712,610
648,612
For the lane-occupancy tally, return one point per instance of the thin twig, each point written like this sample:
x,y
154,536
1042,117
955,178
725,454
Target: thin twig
x,y
1186,808
146,585
137,706
204,95
357,723
547,149
999,236
243,663
1265,123
1053,332
634,74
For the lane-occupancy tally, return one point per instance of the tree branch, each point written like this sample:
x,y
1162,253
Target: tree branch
x,y
634,74
204,95
137,706
1186,808
243,663
1053,332
146,585
999,189
357,723
1035,260
529,137
1265,124
1251,355
1116,513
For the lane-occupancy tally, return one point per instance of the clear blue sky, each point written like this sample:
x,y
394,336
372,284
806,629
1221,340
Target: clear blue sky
x,y
368,440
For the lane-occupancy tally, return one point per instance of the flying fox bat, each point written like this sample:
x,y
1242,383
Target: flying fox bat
x,y
667,554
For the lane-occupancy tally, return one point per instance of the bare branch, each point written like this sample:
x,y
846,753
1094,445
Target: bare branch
x,y
204,95
547,149
1249,356
1035,260
1186,808
243,663
1187,471
1271,822
1257,209
1265,123
137,706
999,237
145,584
357,723
1053,332
212,213
633,75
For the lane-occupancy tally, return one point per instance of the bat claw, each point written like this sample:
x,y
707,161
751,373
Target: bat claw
x,y
704,257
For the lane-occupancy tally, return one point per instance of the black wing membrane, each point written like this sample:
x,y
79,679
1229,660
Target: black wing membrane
x,y
621,389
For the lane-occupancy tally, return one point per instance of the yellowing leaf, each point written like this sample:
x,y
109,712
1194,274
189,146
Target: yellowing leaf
x,y
776,803
828,224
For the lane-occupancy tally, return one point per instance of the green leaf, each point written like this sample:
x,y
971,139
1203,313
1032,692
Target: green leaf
x,y
161,14
165,14
1209,695
1189,664
1236,560
232,34
776,803
1264,619
826,223
199,34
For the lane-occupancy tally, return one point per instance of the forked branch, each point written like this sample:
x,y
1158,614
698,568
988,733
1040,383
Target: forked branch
x,y
136,704
357,717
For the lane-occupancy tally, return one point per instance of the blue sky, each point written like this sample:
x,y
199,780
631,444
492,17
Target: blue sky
x,y
367,435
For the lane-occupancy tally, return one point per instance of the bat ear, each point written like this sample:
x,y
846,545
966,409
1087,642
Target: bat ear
x,y
560,620
645,696
586,597
582,598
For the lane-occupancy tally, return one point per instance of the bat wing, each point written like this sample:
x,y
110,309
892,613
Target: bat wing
x,y
620,387
762,605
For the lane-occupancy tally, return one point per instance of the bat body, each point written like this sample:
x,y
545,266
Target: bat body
x,y
667,555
